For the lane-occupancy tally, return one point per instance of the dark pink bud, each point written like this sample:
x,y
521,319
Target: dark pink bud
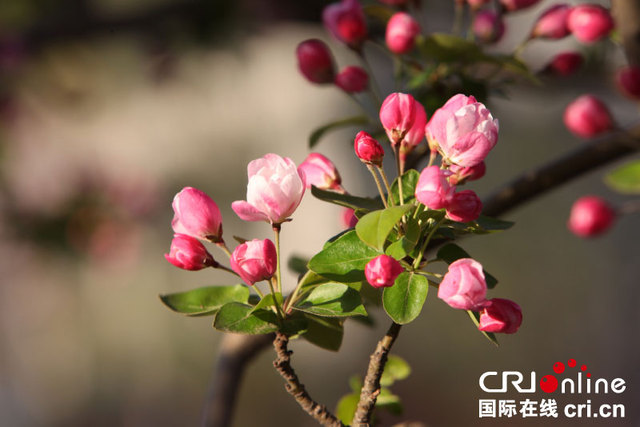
x,y
552,24
463,174
433,189
196,215
464,206
628,81
188,253
352,79
464,286
255,260
591,216
345,21
321,172
590,22
587,117
565,63
488,27
382,271
368,149
402,30
349,218
397,114
315,61
513,5
500,315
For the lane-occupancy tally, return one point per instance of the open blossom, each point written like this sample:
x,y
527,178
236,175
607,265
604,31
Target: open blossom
x,y
402,30
587,117
464,206
321,172
345,21
368,149
315,61
463,130
382,271
500,315
552,24
352,79
255,260
590,22
591,216
188,253
398,114
274,191
433,189
196,215
464,286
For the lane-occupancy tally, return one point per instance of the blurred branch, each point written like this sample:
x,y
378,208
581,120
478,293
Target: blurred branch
x,y
627,16
235,353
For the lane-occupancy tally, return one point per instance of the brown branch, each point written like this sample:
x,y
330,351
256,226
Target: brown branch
x,y
627,16
293,386
371,386
235,352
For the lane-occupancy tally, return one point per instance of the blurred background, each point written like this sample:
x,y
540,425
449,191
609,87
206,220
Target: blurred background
x,y
110,107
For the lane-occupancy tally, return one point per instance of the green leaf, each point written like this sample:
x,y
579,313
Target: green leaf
x,y
242,319
315,136
448,48
347,200
487,224
355,383
325,332
269,301
346,408
344,259
404,300
374,227
297,264
395,369
626,178
332,300
475,318
403,246
452,252
205,301
389,402
409,182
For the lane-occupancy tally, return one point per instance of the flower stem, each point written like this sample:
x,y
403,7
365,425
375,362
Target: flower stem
x,y
399,168
291,299
223,246
377,180
418,259
276,231
275,301
385,180
227,269
258,291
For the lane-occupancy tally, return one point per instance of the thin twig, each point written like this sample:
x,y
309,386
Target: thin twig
x,y
293,386
371,387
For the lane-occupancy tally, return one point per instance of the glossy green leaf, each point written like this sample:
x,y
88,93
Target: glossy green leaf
x,y
404,300
374,227
475,318
332,300
344,259
626,178
315,136
241,319
346,408
347,200
325,332
205,301
403,246
395,369
269,301
409,182
452,252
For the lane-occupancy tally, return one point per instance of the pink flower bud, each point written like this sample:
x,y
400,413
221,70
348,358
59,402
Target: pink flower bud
x,y
587,117
255,260
368,149
464,206
477,4
513,5
349,218
464,286
196,215
565,63
382,271
315,61
488,27
500,315
463,130
188,253
321,172
397,114
433,189
274,191
628,81
345,21
402,30
552,24
462,174
591,216
590,22
415,135
352,79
